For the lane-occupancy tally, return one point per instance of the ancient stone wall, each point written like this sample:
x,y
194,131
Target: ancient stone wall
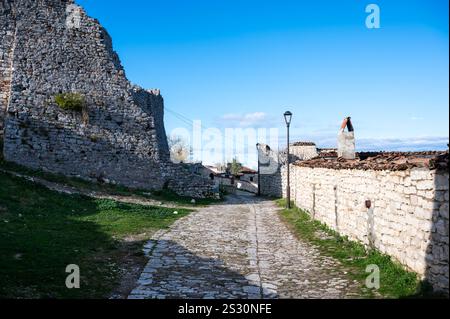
x,y
7,44
269,165
408,195
408,218
303,150
119,137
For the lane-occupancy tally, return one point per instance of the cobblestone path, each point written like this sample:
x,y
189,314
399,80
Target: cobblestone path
x,y
239,249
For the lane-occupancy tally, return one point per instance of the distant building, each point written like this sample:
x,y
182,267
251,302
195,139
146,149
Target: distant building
x,y
245,180
248,174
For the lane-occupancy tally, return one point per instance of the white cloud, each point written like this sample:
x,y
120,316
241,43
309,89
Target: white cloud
x,y
404,144
256,119
424,143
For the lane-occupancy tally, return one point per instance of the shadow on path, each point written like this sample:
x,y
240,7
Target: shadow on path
x,y
175,272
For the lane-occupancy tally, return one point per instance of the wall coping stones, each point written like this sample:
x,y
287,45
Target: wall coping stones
x,y
394,161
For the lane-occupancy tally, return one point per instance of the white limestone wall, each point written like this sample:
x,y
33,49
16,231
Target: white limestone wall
x,y
304,152
238,184
408,218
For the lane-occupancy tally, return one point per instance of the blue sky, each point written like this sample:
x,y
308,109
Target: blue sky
x,y
243,63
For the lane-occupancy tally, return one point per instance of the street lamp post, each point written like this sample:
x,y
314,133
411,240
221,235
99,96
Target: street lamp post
x,y
288,118
259,170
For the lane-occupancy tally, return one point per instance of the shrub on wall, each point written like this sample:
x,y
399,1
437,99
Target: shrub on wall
x,y
70,101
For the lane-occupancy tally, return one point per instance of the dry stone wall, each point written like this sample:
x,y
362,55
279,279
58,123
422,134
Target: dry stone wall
x,y
269,166
408,218
7,36
303,152
120,135
407,195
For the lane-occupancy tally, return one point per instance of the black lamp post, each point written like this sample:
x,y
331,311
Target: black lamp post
x,y
288,118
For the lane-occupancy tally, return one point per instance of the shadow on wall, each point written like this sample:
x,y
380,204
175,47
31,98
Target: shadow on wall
x,y
270,165
437,272
176,272
80,151
271,184
104,153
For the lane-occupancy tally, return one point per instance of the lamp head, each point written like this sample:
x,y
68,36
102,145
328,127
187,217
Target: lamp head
x,y
288,118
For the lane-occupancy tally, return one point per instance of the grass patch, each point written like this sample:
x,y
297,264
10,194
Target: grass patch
x,y
170,196
395,281
165,196
70,181
41,232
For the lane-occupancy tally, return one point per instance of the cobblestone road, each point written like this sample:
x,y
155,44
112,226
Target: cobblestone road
x,y
240,249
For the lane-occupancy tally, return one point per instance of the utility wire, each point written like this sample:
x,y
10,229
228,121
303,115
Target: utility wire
x,y
190,122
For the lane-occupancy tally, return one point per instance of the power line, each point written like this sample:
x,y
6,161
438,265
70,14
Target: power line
x,y
180,116
188,123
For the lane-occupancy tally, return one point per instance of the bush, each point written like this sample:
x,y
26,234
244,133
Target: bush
x,y
70,101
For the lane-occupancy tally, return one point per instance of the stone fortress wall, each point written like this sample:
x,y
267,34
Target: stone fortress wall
x,y
408,195
7,44
51,46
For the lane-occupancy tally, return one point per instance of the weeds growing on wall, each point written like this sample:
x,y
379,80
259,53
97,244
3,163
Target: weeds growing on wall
x,y
70,101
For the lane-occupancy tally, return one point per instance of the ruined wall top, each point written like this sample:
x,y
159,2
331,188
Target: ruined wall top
x,y
54,47
49,47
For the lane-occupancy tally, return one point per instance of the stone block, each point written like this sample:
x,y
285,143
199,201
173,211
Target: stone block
x,y
441,182
425,185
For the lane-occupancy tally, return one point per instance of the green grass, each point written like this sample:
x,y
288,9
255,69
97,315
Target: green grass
x,y
395,281
70,181
169,196
164,196
41,232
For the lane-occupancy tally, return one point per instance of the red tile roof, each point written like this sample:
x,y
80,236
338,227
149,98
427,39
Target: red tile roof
x,y
382,161
303,144
246,170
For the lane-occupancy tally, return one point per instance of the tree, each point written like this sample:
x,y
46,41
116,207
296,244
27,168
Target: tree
x,y
235,167
180,150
